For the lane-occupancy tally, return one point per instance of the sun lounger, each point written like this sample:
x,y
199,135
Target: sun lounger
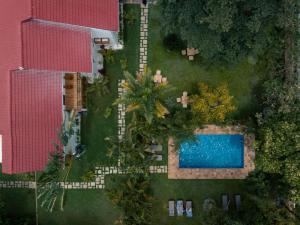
x,y
237,202
189,209
179,207
225,202
171,208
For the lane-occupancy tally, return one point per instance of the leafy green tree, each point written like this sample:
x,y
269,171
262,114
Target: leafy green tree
x,y
223,29
278,139
212,105
279,148
144,96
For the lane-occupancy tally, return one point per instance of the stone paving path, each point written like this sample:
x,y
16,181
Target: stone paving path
x,y
121,112
99,183
17,184
143,38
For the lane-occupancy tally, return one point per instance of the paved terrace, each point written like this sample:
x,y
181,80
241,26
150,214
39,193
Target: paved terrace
x,y
174,172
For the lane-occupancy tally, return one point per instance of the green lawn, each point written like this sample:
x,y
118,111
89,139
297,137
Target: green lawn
x,y
184,74
81,207
195,190
94,126
19,202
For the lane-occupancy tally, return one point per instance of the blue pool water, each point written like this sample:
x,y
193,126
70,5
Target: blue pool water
x,y
213,151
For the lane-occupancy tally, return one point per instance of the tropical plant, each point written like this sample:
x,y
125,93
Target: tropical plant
x,y
108,54
49,188
132,195
99,87
144,96
212,105
58,168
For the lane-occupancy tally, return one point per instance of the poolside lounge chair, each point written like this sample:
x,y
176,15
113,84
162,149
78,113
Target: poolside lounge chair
x,y
237,199
179,207
189,209
225,202
171,208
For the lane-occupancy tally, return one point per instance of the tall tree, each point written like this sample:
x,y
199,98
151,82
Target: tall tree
x,y
278,139
222,29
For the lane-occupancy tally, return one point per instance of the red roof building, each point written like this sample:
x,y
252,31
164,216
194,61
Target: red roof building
x,y
101,14
53,47
36,117
42,38
10,59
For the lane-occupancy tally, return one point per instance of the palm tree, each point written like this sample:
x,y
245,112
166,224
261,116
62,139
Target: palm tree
x,y
49,187
144,96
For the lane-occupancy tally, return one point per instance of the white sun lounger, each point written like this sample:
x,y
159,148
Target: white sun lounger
x,y
179,207
171,208
189,209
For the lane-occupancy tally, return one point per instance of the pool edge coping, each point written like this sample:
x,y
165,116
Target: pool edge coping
x,y
174,172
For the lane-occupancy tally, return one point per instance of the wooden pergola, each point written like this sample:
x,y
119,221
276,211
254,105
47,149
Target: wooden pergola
x,y
73,92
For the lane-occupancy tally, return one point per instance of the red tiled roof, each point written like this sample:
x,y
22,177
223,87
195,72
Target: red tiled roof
x,y
27,131
11,13
36,106
101,14
53,47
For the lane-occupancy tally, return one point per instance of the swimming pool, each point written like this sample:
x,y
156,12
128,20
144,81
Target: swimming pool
x,y
213,151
